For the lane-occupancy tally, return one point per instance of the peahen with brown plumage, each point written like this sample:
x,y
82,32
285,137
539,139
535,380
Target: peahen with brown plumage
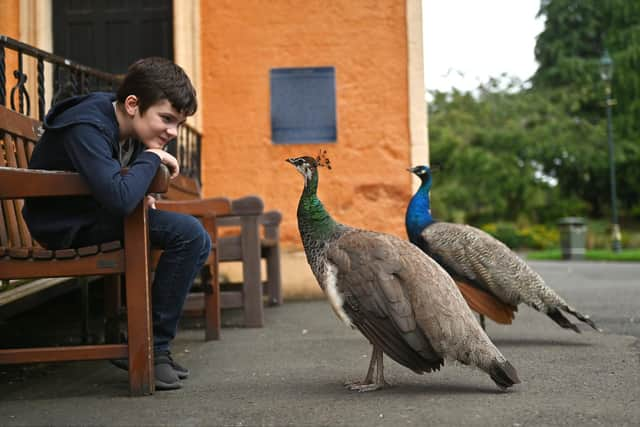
x,y
492,278
402,301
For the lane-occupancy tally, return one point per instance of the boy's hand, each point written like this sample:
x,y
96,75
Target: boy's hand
x,y
168,160
150,201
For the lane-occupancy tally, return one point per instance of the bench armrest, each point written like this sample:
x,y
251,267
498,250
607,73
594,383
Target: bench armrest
x,y
18,183
218,206
271,222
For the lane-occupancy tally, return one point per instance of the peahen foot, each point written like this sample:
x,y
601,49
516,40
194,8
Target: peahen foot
x,y
368,384
362,386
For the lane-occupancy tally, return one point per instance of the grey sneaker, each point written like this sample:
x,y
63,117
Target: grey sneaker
x,y
183,373
159,357
165,377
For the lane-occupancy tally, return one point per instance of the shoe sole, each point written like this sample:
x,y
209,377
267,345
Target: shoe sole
x,y
124,365
162,386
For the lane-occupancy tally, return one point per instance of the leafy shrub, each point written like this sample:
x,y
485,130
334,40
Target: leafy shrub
x,y
529,237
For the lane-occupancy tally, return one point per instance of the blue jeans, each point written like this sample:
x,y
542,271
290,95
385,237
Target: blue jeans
x,y
186,246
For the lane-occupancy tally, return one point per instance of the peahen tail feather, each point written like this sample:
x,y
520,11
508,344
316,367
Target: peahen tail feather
x,y
583,317
559,318
486,304
504,374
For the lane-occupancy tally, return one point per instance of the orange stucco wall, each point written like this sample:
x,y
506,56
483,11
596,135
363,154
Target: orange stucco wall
x,y
366,42
10,22
10,26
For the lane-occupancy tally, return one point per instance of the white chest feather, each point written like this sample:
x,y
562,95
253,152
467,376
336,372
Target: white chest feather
x,y
333,294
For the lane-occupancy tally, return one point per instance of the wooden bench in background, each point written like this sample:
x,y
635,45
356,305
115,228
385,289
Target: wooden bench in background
x,y
257,237
22,258
207,210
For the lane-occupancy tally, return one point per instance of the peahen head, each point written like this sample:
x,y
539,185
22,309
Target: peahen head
x,y
307,166
419,210
314,222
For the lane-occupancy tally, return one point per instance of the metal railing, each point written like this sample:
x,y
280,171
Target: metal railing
x,y
61,78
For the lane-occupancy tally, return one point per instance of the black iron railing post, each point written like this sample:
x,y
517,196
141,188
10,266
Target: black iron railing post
x,y
3,79
41,106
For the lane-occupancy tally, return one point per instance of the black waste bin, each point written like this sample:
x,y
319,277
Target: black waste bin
x,y
573,237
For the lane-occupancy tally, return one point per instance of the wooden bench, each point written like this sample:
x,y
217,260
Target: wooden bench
x,y
232,248
207,210
22,258
248,246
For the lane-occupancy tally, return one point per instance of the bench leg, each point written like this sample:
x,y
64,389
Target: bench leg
x,y
211,306
274,277
112,304
84,292
252,284
211,284
140,337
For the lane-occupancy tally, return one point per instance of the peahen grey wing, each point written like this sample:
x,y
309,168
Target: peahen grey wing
x,y
384,279
376,301
476,257
404,302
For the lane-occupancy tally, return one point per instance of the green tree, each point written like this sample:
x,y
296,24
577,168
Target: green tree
x,y
491,149
568,52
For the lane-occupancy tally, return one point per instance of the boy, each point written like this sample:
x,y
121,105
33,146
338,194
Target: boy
x,y
98,134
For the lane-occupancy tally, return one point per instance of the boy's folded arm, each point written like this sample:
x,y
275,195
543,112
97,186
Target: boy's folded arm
x,y
91,155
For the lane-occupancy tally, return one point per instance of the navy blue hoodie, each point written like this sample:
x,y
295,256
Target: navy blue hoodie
x,y
82,135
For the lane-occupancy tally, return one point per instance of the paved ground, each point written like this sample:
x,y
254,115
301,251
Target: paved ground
x,y
291,373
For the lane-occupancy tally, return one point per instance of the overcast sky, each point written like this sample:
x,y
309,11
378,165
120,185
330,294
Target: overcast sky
x,y
468,41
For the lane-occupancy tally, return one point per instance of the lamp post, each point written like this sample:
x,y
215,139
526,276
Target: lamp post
x,y
606,72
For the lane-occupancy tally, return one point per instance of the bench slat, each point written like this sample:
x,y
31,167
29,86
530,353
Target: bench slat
x,y
88,250
55,354
42,254
19,253
9,207
21,155
23,290
110,246
4,237
100,264
22,162
11,223
19,124
65,253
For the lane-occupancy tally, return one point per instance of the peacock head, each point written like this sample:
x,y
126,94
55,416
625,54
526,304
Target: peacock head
x,y
423,172
308,166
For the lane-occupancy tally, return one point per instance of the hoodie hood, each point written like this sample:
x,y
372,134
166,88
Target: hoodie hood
x,y
95,109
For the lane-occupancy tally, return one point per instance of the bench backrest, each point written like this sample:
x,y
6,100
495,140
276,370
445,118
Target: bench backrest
x,y
18,135
183,188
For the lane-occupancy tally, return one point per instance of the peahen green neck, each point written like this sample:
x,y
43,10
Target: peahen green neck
x,y
314,221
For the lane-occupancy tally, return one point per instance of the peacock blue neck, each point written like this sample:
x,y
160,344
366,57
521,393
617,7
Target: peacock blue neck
x,y
419,212
314,221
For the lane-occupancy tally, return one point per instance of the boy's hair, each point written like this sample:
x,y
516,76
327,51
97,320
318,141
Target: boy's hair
x,y
153,79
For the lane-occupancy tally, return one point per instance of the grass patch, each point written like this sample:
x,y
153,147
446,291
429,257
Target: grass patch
x,y
591,255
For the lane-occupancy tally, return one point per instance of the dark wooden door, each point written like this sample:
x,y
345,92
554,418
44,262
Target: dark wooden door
x,y
111,34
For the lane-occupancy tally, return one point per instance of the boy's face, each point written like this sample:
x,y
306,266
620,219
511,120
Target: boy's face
x,y
158,125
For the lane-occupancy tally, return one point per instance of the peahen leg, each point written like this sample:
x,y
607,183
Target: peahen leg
x,y
375,366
